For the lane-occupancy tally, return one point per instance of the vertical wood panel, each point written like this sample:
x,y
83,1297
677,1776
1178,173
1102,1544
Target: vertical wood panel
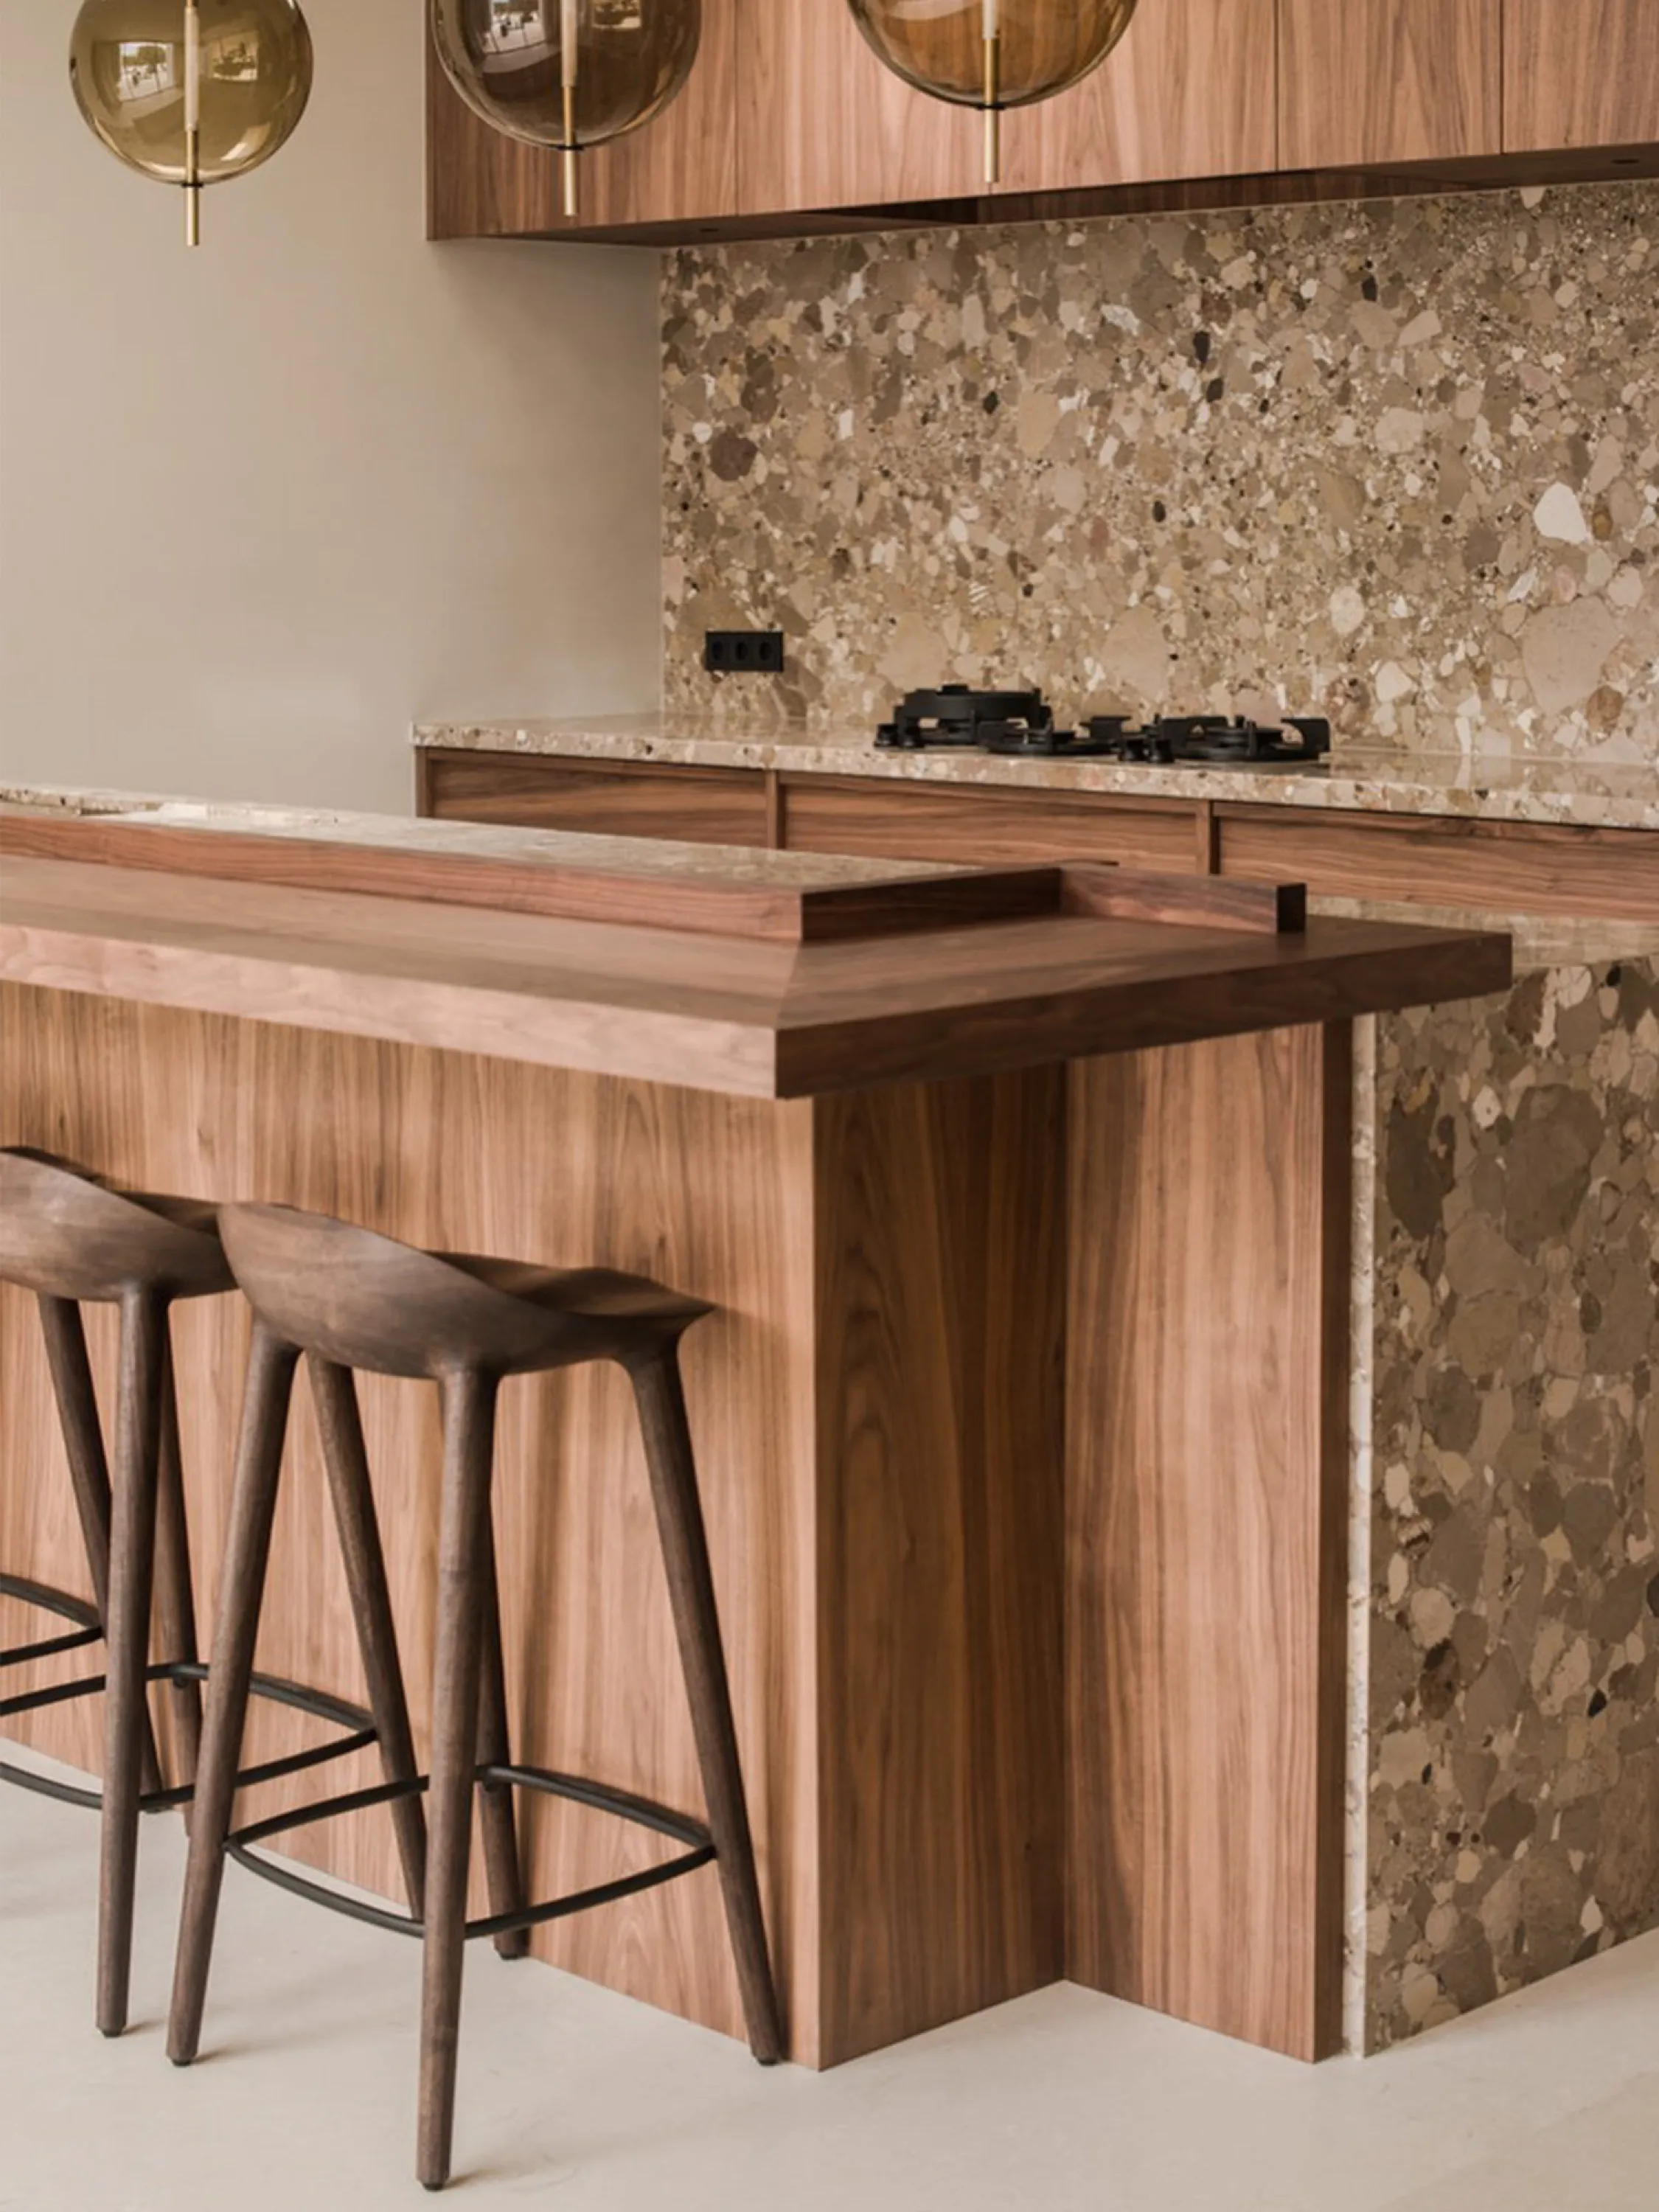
x,y
1580,73
1188,92
714,1194
941,1287
821,122
1206,1532
1386,81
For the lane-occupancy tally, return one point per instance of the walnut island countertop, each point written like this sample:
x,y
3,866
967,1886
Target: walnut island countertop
x,y
245,934
1541,789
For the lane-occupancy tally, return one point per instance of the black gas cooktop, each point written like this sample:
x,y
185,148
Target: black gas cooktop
x,y
1021,723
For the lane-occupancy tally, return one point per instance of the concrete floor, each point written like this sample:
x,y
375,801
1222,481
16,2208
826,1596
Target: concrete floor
x,y
570,2096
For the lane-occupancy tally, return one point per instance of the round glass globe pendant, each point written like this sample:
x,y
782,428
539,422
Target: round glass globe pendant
x,y
567,74
992,54
191,92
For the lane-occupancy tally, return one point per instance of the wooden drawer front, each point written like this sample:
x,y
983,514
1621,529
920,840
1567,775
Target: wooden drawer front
x,y
920,822
611,798
1508,868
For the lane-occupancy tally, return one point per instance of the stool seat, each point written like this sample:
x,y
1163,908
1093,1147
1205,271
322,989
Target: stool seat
x,y
64,1234
366,1300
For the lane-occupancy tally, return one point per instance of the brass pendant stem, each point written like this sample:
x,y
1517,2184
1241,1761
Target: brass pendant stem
x,y
192,123
568,155
992,106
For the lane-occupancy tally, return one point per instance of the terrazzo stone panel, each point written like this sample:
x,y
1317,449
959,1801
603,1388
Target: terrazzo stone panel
x,y
1511,1458
1397,462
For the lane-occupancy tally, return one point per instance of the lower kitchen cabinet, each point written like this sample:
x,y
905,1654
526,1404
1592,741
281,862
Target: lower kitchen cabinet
x,y
607,799
1503,867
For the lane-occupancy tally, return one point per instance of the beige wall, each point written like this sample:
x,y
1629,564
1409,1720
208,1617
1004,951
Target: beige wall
x,y
262,505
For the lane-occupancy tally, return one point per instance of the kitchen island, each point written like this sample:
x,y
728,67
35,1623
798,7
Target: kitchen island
x,y
1025,1199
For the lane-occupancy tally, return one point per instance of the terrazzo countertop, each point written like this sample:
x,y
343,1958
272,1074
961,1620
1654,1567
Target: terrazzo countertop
x,y
1361,779
748,866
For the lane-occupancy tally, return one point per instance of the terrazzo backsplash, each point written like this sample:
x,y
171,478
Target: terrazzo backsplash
x,y
1396,461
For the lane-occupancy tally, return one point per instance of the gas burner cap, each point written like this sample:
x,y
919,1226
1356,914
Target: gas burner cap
x,y
957,715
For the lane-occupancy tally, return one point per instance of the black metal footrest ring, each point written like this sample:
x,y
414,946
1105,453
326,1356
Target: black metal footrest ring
x,y
639,1812
88,1626
360,1733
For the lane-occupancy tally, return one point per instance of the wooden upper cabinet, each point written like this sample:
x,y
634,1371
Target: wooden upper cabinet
x,y
1369,82
1188,92
822,124
1580,73
680,169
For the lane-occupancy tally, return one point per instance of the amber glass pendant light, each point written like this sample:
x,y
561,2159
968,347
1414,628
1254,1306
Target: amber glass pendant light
x,y
191,92
567,74
992,54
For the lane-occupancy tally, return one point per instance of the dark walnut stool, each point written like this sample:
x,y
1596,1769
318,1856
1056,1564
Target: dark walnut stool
x,y
349,1299
70,1239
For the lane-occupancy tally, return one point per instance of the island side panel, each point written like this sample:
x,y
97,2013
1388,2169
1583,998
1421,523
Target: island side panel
x,y
1206,1531
941,1303
1512,1786
713,1193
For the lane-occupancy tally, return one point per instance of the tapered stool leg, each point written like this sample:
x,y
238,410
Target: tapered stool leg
x,y
66,1336
341,1426
175,1599
132,1565
661,1401
496,1822
247,1552
469,1405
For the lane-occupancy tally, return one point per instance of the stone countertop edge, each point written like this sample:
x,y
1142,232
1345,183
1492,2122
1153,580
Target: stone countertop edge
x,y
1545,789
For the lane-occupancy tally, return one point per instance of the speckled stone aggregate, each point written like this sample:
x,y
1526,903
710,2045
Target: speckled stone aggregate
x,y
1513,1763
1397,461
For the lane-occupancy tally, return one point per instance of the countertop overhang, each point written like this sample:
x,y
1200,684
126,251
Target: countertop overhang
x,y
748,1016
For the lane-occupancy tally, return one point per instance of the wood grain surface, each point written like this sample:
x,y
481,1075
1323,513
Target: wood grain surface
x,y
1379,81
1506,867
1188,92
1518,866
1580,73
757,1019
941,1303
1139,894
712,1194
877,1413
921,822
621,798
820,123
1206,1532
738,904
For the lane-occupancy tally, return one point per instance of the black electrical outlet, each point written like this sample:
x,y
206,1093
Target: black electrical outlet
x,y
742,652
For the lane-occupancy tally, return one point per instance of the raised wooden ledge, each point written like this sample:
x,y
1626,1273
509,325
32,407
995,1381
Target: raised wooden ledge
x,y
705,902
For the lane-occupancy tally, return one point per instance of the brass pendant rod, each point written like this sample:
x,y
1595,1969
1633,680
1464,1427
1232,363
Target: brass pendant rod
x,y
192,123
992,105
569,43
568,155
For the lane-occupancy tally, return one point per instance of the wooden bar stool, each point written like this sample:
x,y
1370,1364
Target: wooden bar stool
x,y
350,1299
68,1238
